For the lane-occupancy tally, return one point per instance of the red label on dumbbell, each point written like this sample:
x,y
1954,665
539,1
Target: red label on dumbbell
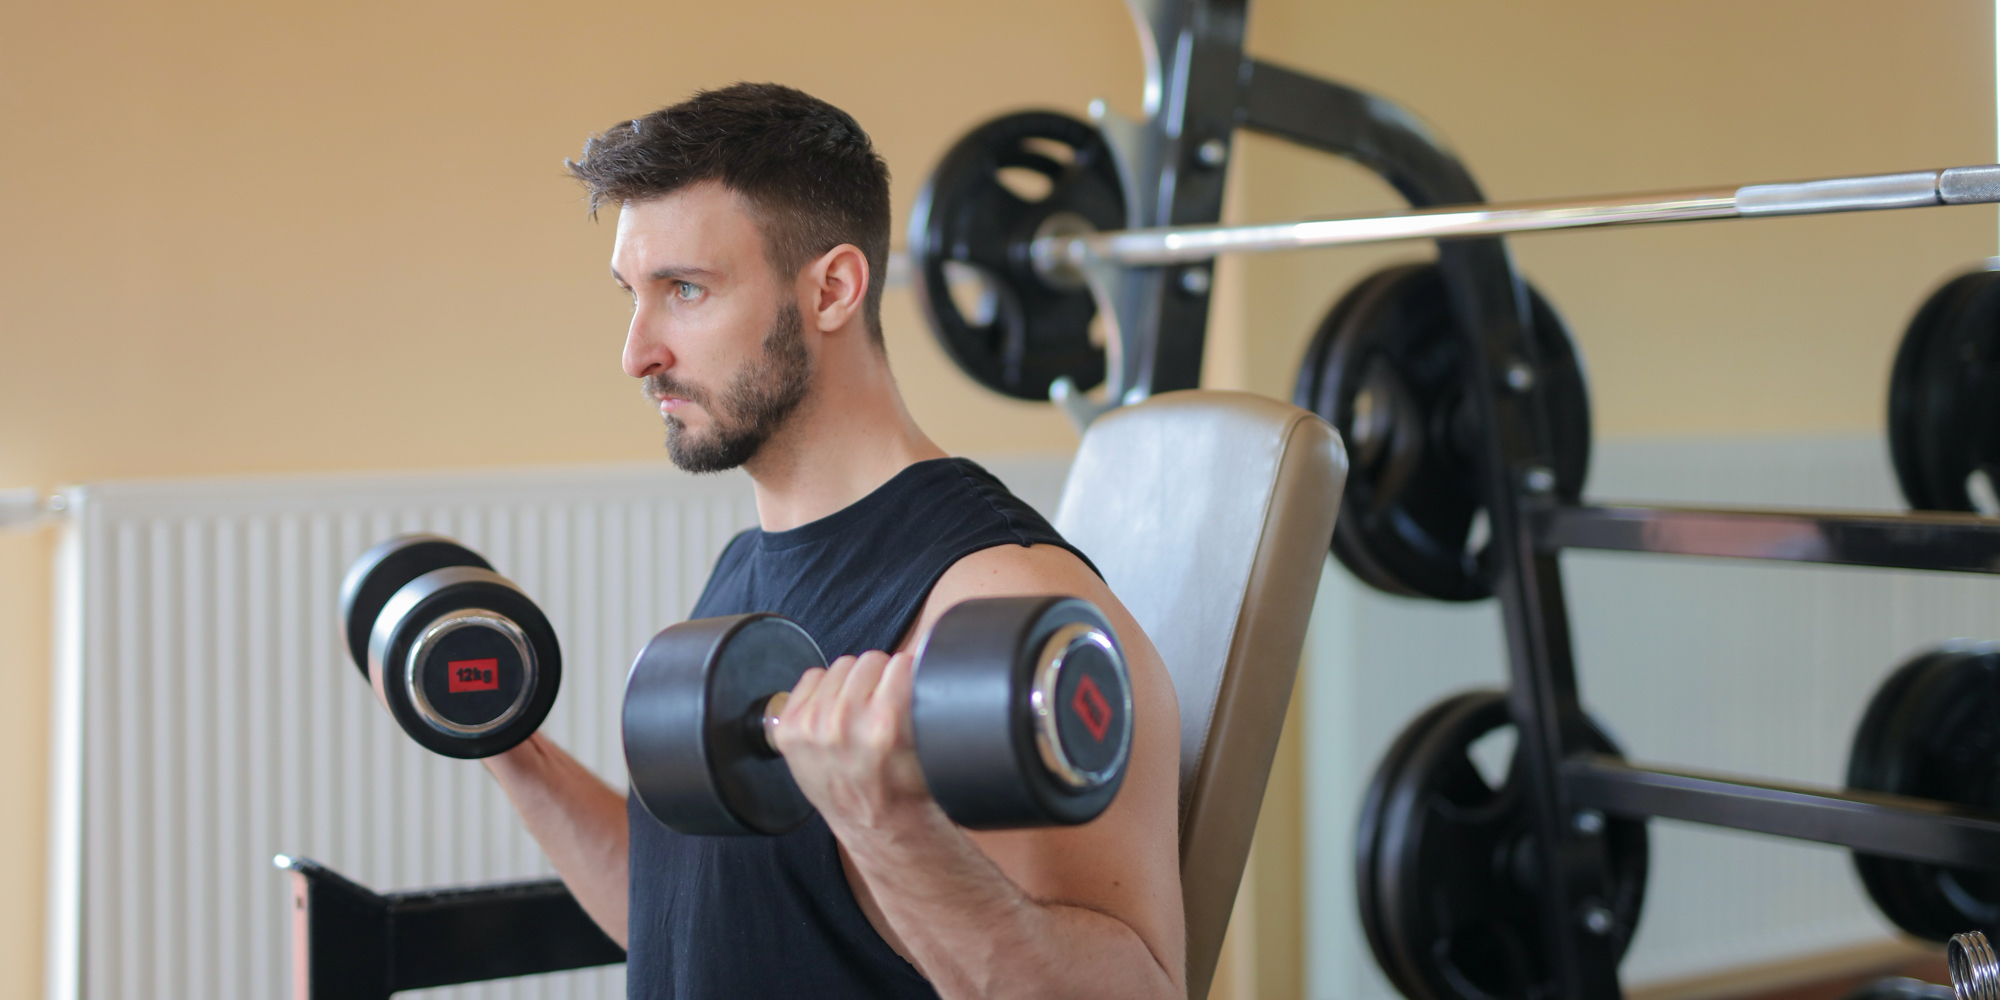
x,y
477,675
1090,706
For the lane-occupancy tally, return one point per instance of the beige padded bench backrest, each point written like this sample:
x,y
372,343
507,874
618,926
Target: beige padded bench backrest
x,y
1209,514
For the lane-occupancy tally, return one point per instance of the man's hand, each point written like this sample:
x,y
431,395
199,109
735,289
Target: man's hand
x,y
846,735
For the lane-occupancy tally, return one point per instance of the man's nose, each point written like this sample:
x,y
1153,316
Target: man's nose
x,y
645,349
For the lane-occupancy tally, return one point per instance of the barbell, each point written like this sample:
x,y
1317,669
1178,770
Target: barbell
x,y
1014,241
1060,256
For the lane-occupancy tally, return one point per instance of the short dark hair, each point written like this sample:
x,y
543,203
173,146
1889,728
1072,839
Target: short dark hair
x,y
808,171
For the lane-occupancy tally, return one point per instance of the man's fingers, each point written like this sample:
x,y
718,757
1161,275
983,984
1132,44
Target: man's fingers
x,y
899,677
808,682
893,693
858,688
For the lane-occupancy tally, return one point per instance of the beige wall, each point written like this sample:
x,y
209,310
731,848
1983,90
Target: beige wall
x,y
260,237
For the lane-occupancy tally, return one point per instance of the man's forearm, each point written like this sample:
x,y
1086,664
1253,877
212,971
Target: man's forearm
x,y
975,934
578,820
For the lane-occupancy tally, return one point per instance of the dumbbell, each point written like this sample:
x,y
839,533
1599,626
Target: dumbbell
x,y
1022,711
463,660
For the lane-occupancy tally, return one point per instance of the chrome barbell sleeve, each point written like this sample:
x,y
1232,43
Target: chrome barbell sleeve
x,y
1975,973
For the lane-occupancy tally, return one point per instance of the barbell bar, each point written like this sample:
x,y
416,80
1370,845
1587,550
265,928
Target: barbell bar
x,y
1062,255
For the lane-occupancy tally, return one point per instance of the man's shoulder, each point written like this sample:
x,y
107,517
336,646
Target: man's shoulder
x,y
1011,570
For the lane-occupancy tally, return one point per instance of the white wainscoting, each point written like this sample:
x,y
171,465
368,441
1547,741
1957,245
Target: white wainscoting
x,y
1732,666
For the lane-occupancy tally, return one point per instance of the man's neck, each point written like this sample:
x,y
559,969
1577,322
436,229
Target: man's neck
x,y
848,437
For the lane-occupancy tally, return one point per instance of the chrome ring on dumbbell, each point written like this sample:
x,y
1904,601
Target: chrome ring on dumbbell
x,y
1056,688
469,676
464,661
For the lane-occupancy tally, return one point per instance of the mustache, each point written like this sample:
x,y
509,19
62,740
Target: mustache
x,y
660,386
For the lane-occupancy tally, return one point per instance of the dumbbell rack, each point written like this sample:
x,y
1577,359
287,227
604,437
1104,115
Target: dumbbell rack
x,y
1201,87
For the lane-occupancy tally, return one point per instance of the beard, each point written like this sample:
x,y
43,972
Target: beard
x,y
761,396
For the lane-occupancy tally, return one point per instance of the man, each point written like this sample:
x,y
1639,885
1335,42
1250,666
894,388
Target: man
x,y
753,228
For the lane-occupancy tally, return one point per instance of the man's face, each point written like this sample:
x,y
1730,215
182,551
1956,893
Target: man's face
x,y
716,335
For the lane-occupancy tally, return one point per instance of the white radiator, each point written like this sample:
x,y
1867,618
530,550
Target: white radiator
x,y
209,717
1754,668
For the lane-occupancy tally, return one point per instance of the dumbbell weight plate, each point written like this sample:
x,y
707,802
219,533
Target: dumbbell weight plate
x,y
384,569
1944,394
693,708
1386,369
1452,906
465,662
1023,712
970,227
1932,730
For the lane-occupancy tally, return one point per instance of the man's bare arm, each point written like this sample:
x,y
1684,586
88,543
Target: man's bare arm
x,y
578,820
1093,910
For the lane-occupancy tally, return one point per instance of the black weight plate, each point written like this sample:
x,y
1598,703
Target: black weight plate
x,y
693,721
968,220
1367,839
975,720
1944,394
1933,731
1313,367
1387,369
383,570
428,600
1453,869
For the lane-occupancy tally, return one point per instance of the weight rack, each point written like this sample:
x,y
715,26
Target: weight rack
x,y
1200,88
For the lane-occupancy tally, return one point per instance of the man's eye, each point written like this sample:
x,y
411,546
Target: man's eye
x,y
686,292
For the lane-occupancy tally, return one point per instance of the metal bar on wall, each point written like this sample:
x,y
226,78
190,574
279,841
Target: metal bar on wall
x,y
1920,540
1896,826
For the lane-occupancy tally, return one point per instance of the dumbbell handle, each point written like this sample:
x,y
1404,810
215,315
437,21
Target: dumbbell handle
x,y
773,707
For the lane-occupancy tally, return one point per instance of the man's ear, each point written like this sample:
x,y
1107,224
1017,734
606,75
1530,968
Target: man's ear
x,y
836,285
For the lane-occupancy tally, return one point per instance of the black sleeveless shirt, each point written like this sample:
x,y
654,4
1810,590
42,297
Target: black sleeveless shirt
x,y
774,916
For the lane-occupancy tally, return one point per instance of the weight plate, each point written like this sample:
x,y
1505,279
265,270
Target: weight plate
x,y
970,230
464,617
383,570
1367,840
1387,369
1022,712
693,724
1944,394
1451,907
1933,731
